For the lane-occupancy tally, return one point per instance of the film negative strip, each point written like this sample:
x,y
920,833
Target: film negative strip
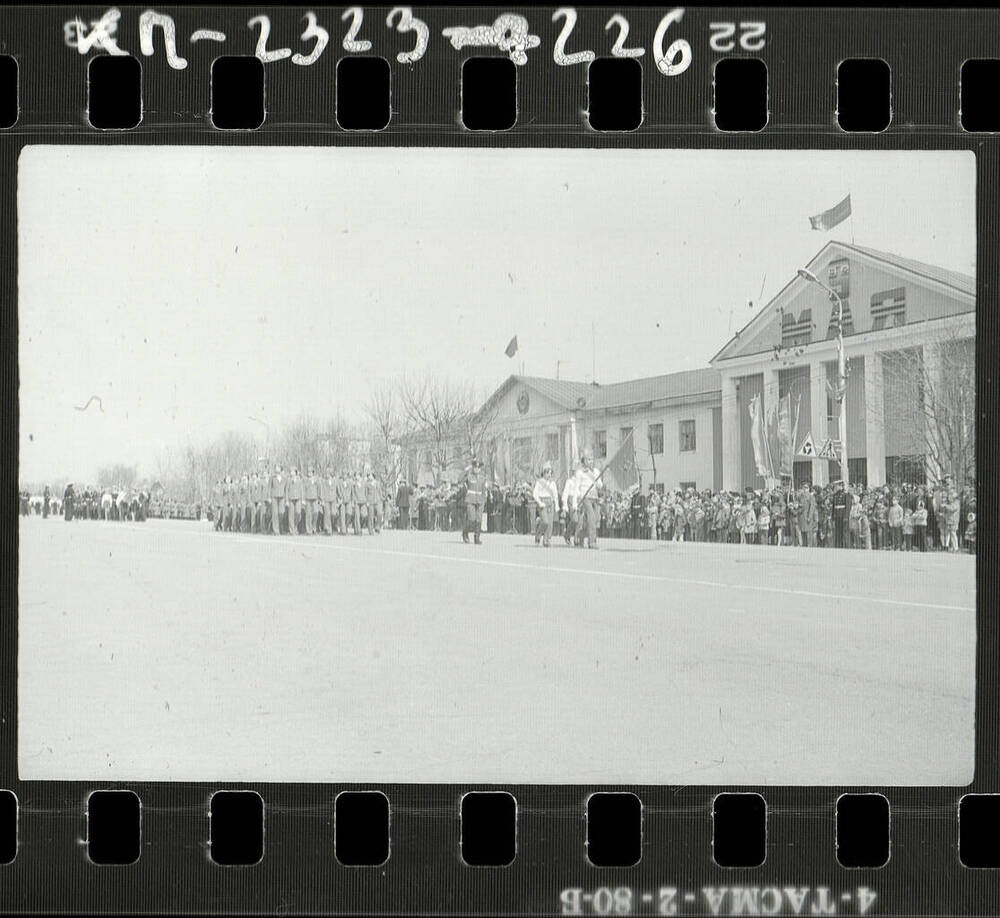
x,y
498,460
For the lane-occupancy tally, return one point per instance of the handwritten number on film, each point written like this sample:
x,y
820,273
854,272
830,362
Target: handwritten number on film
x,y
509,33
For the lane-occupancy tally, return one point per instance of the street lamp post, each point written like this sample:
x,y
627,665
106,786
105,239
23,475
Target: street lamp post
x,y
841,369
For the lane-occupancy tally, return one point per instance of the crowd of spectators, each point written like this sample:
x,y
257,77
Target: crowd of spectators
x,y
901,517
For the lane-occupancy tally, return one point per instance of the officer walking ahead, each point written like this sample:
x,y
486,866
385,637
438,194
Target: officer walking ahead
x,y
475,500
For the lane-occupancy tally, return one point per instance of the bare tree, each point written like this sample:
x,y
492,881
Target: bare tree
x,y
929,403
117,475
389,429
481,432
438,411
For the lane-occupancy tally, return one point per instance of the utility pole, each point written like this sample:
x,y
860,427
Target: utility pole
x,y
841,369
593,352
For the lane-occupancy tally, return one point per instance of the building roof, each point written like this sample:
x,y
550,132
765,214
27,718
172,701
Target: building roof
x,y
962,283
580,396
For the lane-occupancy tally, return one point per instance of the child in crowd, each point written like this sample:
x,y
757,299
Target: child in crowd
x,y
895,519
919,527
764,523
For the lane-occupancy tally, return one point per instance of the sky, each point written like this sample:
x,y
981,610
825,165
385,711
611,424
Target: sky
x,y
197,290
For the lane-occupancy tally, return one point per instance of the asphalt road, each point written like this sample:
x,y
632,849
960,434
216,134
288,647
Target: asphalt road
x,y
166,651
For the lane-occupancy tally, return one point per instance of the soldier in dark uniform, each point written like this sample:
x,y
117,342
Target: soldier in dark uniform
x,y
46,497
475,485
69,495
403,504
842,500
637,512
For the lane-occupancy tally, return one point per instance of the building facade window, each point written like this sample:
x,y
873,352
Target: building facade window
x,y
600,444
906,470
796,330
552,447
684,485
522,455
858,470
888,308
624,434
686,436
656,439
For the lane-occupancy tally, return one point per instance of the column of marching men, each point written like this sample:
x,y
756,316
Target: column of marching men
x,y
277,501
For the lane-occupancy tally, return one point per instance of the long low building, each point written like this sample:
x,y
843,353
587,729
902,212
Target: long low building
x,y
909,340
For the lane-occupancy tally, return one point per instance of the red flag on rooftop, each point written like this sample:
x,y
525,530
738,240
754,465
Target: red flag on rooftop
x,y
830,218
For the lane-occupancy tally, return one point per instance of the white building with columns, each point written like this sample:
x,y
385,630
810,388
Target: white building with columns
x,y
904,324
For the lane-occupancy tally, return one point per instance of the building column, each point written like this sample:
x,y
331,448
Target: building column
x,y
818,418
771,389
730,435
875,419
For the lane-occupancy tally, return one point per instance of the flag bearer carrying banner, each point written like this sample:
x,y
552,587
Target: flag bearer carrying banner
x,y
587,483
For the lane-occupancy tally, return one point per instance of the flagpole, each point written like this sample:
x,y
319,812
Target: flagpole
x,y
852,215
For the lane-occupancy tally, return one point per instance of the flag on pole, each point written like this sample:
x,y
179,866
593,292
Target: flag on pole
x,y
830,218
757,437
622,471
788,428
511,348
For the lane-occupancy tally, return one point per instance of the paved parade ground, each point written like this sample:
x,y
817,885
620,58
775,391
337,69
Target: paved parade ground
x,y
164,650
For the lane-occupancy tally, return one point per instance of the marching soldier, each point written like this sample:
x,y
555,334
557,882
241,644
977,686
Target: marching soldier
x,y
546,496
343,499
328,499
373,494
293,494
357,501
256,503
243,504
475,500
277,493
587,485
228,497
68,497
216,503
310,493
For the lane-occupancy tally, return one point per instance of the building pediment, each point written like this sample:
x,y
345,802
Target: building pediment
x,y
878,291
